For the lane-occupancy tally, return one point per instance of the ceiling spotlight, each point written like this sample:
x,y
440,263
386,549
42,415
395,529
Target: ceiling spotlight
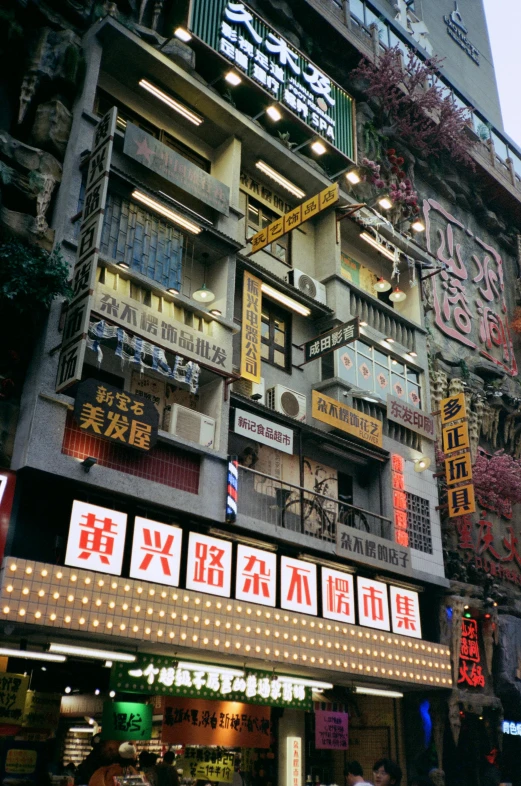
x,y
274,113
381,286
363,324
233,78
172,291
422,463
353,177
68,689
385,202
390,340
97,692
182,34
112,694
397,296
318,147
418,225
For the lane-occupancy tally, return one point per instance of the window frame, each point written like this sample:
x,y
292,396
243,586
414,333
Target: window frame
x,y
417,521
275,312
266,216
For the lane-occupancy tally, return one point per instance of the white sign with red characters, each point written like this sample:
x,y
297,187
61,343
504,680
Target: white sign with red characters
x,y
156,552
338,596
96,538
373,607
256,575
298,585
209,566
405,612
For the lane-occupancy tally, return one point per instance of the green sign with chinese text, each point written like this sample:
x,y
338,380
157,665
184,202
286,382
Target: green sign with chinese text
x,y
126,720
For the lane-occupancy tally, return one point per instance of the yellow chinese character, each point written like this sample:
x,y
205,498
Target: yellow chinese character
x,y
92,417
140,434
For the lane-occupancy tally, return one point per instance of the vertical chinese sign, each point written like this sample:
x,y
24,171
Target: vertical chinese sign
x,y
401,535
470,672
456,447
76,328
251,328
294,761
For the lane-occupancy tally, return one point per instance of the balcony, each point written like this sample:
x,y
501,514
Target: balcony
x,y
382,318
270,501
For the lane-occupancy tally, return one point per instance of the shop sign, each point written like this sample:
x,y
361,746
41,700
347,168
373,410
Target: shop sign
x,y
75,706
494,554
209,565
7,486
373,607
20,761
74,340
96,538
288,77
170,334
105,411
42,710
256,575
399,500
511,728
456,447
262,430
156,550
338,596
166,163
470,668
329,410
354,544
262,193
458,32
251,328
298,585
411,417
13,691
126,720
291,220
163,675
331,730
208,764
334,339
228,724
294,761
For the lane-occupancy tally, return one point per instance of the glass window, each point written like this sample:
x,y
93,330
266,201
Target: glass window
x,y
275,335
346,365
356,7
500,147
257,218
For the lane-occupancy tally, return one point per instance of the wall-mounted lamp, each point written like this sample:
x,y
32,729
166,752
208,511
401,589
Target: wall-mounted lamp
x,y
88,462
385,202
317,146
182,34
123,265
422,463
233,78
353,177
418,225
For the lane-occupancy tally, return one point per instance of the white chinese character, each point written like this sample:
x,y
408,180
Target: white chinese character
x,y
519,729
150,673
251,685
273,85
183,678
227,49
286,56
262,59
315,347
287,691
325,343
239,685
259,74
506,727
348,332
290,98
277,72
246,46
167,676
299,692
513,728
336,337
241,59
199,679
276,689
226,683
319,83
264,687
236,12
228,32
302,108
212,682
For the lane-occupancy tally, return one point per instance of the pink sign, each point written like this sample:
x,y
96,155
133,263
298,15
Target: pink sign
x,y
331,730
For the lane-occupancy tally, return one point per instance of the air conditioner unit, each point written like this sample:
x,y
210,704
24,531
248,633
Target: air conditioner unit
x,y
307,285
288,402
244,387
192,426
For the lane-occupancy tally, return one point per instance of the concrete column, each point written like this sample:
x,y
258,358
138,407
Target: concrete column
x,y
291,738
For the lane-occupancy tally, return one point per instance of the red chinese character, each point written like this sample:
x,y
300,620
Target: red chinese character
x,y
486,539
152,545
256,577
475,677
373,603
399,500
405,612
464,527
96,537
400,520
338,595
213,573
401,538
397,462
299,585
398,481
510,543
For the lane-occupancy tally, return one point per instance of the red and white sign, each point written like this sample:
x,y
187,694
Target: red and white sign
x,y
209,566
96,538
338,596
256,575
7,486
156,552
373,607
405,612
294,761
265,431
298,585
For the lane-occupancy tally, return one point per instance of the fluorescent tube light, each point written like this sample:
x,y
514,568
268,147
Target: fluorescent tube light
x,y
307,683
87,652
176,218
389,694
181,109
31,655
379,246
82,729
182,34
280,179
285,300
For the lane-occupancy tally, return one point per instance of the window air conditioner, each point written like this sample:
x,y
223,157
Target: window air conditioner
x,y
192,426
248,389
307,285
287,402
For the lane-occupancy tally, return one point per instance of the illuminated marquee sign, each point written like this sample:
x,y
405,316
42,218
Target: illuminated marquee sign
x,y
511,728
269,60
470,668
456,448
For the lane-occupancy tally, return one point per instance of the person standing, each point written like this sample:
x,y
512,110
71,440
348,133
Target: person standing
x,y
386,773
354,774
164,773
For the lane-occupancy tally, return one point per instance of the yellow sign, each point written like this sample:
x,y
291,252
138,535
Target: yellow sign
x,y
251,327
281,226
13,689
207,764
42,710
461,500
453,408
20,761
455,437
458,469
331,411
458,462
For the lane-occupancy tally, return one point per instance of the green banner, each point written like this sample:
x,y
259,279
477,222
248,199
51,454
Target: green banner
x,y
163,676
269,60
126,720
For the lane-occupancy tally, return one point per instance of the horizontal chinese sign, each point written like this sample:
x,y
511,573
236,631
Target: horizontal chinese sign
x,y
213,351
173,167
13,691
456,447
163,675
281,226
105,411
331,730
208,764
257,50
333,339
411,417
262,430
354,543
126,720
329,410
228,724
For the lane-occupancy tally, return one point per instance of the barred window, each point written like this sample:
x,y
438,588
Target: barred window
x,y
419,523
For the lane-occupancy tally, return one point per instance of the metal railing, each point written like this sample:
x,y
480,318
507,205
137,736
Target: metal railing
x,y
381,318
272,501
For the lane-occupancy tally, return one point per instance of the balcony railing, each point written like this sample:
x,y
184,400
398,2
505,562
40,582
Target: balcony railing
x,y
381,318
301,510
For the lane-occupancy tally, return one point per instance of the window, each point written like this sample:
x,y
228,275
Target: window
x,y
258,217
371,369
419,523
275,335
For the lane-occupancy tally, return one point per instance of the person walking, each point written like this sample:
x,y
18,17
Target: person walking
x,y
354,774
164,773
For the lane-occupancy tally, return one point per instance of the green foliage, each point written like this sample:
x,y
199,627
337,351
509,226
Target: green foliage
x,y
30,277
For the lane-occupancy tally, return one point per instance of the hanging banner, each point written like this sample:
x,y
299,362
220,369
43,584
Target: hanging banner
x,y
281,226
208,764
456,447
329,410
334,339
13,690
125,720
251,328
331,730
74,340
228,724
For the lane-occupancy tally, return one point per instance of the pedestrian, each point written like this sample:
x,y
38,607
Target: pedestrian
x,y
386,773
437,776
127,756
354,774
164,773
